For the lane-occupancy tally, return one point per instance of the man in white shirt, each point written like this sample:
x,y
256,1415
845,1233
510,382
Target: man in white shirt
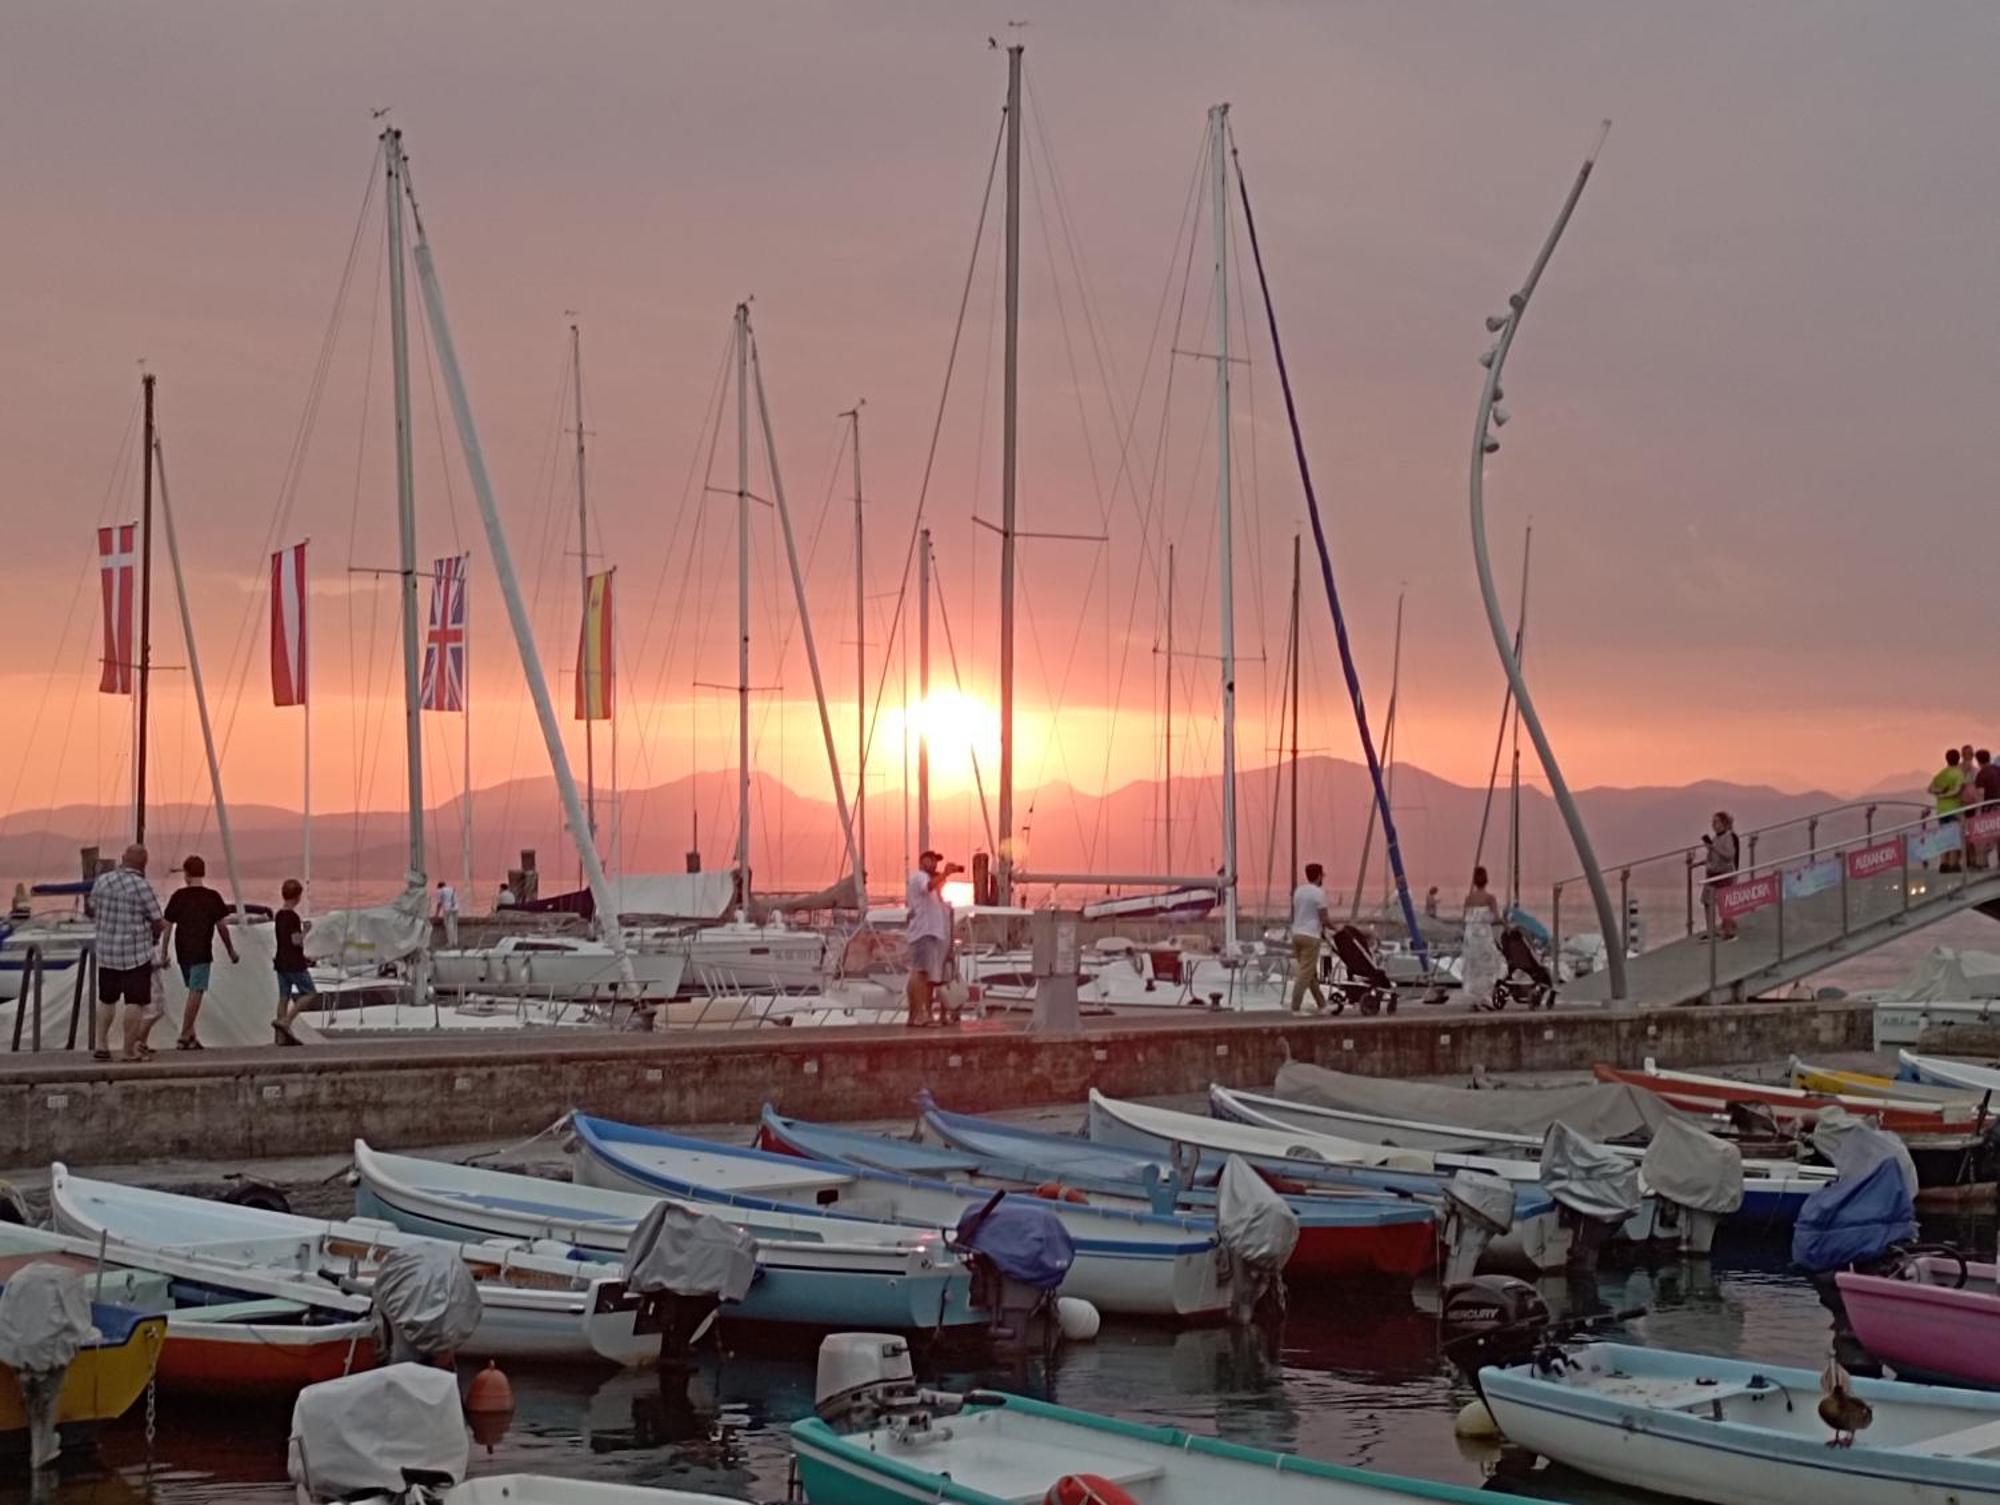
x,y
446,912
929,932
1309,910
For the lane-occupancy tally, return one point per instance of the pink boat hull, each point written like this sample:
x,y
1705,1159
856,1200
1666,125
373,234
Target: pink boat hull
x,y
1932,1326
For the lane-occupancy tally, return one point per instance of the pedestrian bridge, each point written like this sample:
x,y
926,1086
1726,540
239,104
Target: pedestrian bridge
x,y
1824,888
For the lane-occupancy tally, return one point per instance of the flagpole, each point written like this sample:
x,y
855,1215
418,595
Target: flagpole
x,y
305,701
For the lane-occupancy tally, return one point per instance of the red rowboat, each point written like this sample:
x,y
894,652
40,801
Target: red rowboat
x,y
1708,1094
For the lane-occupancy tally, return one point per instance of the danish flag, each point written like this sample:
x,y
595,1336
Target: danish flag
x,y
116,558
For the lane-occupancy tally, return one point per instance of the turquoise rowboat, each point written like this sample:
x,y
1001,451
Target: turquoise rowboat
x,y
1007,1450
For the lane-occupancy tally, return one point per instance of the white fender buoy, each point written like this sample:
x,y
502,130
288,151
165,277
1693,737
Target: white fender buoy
x,y
1476,1423
1078,1319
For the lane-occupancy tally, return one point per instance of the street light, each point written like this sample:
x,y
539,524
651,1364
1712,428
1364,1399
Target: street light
x,y
1490,418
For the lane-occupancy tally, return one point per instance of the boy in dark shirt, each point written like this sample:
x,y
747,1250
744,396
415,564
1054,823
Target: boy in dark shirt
x,y
295,983
196,915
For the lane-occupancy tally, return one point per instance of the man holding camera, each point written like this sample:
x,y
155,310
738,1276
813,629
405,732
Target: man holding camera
x,y
929,933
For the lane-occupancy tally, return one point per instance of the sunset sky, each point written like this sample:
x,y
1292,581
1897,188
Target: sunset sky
x,y
1751,403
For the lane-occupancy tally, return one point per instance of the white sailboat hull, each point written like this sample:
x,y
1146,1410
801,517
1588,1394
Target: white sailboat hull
x,y
580,975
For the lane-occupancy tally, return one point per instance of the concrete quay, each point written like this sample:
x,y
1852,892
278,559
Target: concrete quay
x,y
242,1105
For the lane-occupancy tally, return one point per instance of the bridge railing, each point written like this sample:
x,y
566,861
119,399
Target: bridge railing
x,y
1685,869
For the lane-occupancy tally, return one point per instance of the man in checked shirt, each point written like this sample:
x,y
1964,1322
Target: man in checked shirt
x,y
129,924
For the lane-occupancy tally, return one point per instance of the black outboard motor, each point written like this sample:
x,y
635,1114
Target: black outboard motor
x,y
1018,1253
1492,1319
682,1267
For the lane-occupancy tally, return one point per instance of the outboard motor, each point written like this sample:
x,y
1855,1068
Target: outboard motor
x,y
683,1265
1478,1208
1859,1223
1019,1253
1492,1319
1596,1190
1259,1229
426,1305
397,1433
44,1322
1696,1180
865,1381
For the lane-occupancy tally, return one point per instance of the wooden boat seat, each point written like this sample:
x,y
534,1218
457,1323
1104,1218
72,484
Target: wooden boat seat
x,y
270,1309
1967,1442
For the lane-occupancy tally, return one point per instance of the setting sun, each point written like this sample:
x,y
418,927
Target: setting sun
x,y
958,727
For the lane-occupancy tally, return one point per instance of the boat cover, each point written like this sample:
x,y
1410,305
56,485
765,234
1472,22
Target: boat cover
x,y
363,1435
1609,1110
1854,1147
689,1253
383,933
1491,1199
427,1297
1253,1221
1854,1219
1683,1164
1587,1177
1026,1242
44,1318
675,896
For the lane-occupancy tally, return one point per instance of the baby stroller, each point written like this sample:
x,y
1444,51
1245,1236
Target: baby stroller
x,y
1527,980
1367,985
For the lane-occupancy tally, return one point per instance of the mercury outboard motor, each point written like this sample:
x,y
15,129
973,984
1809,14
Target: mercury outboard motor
x,y
1492,1319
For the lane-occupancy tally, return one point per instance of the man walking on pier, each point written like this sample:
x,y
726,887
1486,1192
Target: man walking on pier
x,y
928,932
1309,910
129,922
197,915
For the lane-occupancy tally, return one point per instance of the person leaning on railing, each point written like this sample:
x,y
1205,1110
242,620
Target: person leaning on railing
x,y
1725,856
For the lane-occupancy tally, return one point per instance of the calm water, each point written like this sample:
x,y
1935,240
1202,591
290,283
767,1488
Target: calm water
x,y
1354,1379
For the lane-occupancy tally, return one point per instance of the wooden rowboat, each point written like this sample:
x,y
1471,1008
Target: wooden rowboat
x,y
1790,1104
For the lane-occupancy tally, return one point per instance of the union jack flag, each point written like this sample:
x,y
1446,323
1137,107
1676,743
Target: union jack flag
x,y
444,642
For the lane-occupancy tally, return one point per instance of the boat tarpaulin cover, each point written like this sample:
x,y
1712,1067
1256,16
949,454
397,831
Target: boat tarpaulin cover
x,y
1854,1219
242,996
1685,1165
1854,1147
1586,1177
363,1434
1253,1221
674,896
1609,1110
1027,1242
426,1296
44,1319
1948,976
383,933
689,1253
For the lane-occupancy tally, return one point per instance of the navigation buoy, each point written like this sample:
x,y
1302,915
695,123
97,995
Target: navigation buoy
x,y
1475,1423
1078,1319
490,1392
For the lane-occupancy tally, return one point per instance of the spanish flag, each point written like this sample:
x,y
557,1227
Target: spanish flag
x,y
593,652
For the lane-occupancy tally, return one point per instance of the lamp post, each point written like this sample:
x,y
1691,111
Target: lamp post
x,y
1491,418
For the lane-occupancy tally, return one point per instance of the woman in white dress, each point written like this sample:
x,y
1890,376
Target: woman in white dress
x,y
1481,965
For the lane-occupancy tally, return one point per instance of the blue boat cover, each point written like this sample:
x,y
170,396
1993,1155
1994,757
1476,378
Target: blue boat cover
x,y
1026,1242
1855,1219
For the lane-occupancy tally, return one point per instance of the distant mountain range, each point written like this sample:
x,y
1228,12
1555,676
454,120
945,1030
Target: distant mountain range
x,y
796,840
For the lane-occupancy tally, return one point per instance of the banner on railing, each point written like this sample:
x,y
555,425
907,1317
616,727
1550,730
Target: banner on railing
x,y
1812,878
1983,825
1924,845
1875,859
1733,900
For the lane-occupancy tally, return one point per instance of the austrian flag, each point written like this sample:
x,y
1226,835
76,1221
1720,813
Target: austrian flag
x,y
288,626
116,558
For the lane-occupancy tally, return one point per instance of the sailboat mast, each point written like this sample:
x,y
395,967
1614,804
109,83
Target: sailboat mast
x,y
406,499
1218,120
924,691
1167,789
1009,436
144,697
743,606
853,414
1295,707
583,572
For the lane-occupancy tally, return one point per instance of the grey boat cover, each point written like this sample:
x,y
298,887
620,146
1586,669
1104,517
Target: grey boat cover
x,y
1854,1147
1695,1169
1587,1177
688,1253
1602,1110
427,1297
44,1319
1253,1222
356,1436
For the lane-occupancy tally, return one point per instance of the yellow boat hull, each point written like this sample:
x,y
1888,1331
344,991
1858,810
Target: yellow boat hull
x,y
103,1383
1852,1083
